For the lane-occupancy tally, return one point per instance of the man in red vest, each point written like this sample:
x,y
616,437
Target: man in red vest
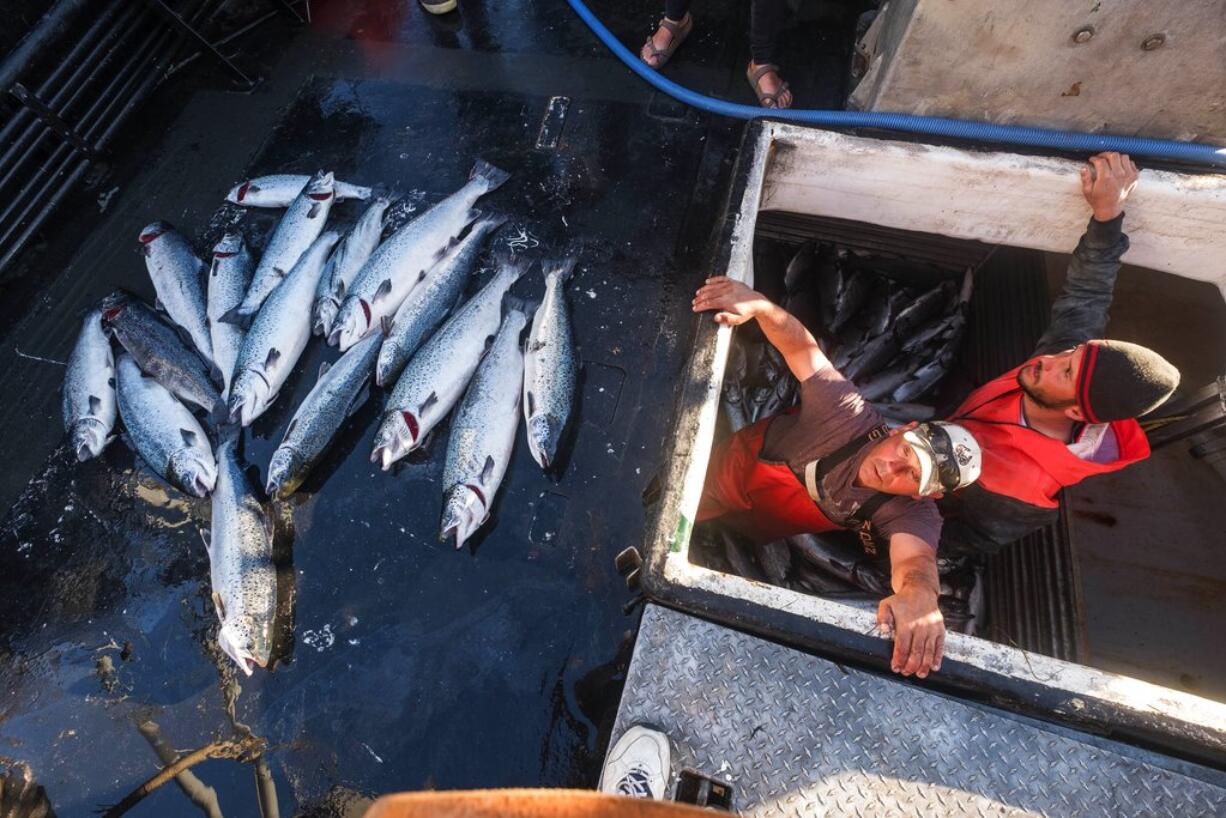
x,y
833,464
1069,412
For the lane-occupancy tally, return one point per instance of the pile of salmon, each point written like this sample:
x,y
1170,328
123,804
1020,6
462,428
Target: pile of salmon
x,y
215,350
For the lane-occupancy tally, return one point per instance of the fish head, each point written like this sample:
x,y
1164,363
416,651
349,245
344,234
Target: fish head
x,y
113,305
397,436
231,244
544,432
285,473
194,470
153,230
89,438
321,187
249,394
352,323
464,511
248,652
324,316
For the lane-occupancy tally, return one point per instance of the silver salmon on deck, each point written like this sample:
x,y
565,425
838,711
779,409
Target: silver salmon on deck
x,y
551,367
89,390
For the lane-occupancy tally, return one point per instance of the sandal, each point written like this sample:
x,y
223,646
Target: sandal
x,y
755,76
679,31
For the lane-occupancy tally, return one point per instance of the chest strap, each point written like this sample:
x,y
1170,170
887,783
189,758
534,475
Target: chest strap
x,y
860,520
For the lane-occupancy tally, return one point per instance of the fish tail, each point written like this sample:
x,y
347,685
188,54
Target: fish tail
x,y
515,304
237,316
561,269
504,259
490,222
491,176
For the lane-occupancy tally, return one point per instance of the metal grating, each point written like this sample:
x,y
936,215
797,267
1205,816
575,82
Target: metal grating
x,y
69,85
797,735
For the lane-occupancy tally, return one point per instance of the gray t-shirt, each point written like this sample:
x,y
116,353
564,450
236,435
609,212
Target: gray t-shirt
x,y
832,413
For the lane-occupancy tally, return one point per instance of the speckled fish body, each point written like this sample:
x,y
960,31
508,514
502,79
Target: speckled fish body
x,y
280,190
344,263
229,277
89,390
178,279
551,367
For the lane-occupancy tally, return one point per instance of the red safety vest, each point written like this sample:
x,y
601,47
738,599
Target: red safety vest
x,y
766,501
1025,464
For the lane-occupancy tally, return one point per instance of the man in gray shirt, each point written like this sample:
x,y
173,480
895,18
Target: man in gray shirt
x,y
834,464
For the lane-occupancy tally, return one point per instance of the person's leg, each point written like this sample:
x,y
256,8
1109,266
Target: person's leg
x,y
766,20
671,30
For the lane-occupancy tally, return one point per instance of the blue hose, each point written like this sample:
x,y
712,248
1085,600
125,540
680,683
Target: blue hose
x,y
1069,141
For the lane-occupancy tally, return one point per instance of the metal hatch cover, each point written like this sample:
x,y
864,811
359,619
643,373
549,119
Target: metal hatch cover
x,y
798,735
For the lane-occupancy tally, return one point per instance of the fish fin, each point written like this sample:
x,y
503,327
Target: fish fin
x,y
110,382
562,269
189,437
95,404
274,355
487,469
385,289
314,211
323,369
216,374
220,606
237,316
289,430
427,403
359,399
206,536
513,303
158,305
338,289
386,324
278,272
531,402
490,175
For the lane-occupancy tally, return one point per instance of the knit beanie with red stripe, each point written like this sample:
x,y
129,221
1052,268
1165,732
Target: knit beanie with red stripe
x,y
1120,380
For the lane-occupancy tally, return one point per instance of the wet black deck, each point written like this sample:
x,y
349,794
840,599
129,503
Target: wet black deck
x,y
411,665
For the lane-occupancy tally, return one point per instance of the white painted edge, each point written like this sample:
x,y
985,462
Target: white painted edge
x,y
1176,222
993,657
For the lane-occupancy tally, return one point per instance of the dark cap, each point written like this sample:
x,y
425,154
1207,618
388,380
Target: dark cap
x,y
1119,380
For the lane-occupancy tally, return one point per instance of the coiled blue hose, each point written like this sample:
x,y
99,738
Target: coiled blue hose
x,y
1069,141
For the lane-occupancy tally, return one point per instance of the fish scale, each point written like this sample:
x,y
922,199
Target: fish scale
x,y
400,263
88,405
280,190
229,275
336,394
278,335
302,223
241,569
428,304
436,376
344,263
178,279
483,433
160,351
163,432
551,367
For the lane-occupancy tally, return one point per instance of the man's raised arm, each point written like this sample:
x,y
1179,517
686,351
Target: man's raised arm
x,y
1080,313
736,303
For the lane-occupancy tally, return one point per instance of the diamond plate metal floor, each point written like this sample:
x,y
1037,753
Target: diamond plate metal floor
x,y
798,735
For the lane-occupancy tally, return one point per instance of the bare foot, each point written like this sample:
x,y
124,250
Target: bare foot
x,y
659,41
772,83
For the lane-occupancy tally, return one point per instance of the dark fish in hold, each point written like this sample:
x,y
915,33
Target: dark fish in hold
x,y
921,309
887,380
876,356
773,365
159,350
926,377
937,329
742,563
735,368
782,397
876,312
799,273
776,560
904,413
829,284
852,296
734,407
757,401
843,561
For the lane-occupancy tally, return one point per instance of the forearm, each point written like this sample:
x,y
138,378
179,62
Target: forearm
x,y
795,343
915,573
1080,312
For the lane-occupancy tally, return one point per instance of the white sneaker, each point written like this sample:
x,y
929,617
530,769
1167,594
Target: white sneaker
x,y
637,765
